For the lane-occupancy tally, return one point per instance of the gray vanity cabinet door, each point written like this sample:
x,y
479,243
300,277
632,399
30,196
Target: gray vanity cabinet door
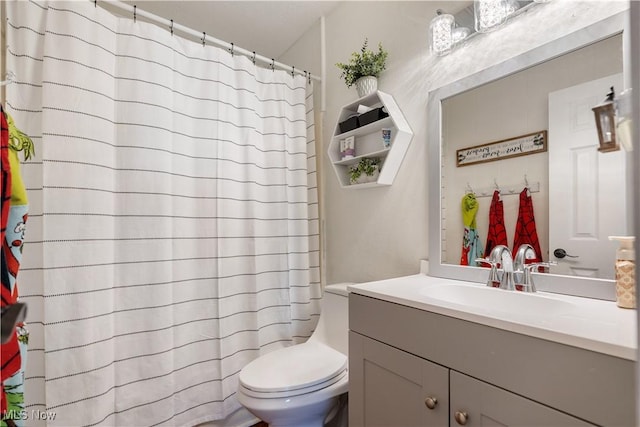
x,y
476,403
389,387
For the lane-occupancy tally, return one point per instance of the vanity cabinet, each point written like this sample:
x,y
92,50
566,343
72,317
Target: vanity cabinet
x,y
394,388
369,142
402,359
476,403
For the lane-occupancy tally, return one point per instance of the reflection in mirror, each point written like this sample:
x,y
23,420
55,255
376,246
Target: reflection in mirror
x,y
550,88
573,187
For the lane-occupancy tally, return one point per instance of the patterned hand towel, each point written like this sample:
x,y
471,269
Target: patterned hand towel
x,y
497,234
526,227
471,245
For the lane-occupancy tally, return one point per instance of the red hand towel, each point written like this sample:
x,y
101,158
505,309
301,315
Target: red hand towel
x,y
497,234
526,227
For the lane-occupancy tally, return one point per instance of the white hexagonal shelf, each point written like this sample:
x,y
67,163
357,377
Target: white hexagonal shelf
x,y
369,141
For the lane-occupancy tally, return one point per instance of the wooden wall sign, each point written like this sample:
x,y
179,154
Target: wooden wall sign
x,y
513,147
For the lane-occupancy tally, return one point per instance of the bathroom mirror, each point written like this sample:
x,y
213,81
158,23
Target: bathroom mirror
x,y
507,101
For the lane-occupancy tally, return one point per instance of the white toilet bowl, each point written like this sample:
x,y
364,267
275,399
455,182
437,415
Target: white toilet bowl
x,y
300,385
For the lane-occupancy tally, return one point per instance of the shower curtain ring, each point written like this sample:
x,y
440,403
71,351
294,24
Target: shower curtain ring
x,y
293,71
95,3
204,36
231,50
273,64
135,13
253,58
171,27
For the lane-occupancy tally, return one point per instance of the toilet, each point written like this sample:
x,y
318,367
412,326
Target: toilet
x,y
301,385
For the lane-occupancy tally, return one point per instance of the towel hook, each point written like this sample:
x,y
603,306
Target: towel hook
x,y
469,189
526,181
496,184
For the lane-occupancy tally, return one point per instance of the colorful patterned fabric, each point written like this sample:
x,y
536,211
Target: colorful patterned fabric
x,y
471,245
497,234
526,227
6,174
9,351
13,220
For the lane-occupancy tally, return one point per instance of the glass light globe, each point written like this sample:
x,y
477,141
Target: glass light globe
x,y
490,14
440,31
459,34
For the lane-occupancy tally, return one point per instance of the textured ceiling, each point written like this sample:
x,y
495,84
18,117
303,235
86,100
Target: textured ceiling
x,y
267,27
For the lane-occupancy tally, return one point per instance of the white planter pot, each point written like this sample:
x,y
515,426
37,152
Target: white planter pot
x,y
366,85
363,179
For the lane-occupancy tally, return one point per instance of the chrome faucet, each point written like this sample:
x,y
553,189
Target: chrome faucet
x,y
500,255
522,275
516,273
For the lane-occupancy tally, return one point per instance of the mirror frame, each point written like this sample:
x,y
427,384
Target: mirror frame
x,y
571,285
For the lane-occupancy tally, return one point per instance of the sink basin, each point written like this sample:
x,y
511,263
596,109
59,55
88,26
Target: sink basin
x,y
592,324
494,299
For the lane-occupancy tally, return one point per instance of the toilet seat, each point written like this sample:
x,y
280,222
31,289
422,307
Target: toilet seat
x,y
294,370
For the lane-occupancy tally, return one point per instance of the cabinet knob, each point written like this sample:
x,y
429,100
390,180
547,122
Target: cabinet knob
x,y
461,417
431,402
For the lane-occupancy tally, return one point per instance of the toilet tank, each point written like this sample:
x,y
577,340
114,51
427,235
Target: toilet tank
x,y
333,326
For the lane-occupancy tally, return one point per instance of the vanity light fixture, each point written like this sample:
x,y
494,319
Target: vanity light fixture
x,y
484,15
490,14
512,6
605,115
441,33
459,34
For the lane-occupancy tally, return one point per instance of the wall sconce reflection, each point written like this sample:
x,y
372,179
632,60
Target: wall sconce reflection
x,y
605,115
614,121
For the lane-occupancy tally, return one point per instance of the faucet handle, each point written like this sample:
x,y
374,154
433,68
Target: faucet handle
x,y
484,260
527,284
494,279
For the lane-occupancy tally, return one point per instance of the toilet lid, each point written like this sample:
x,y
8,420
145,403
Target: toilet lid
x,y
297,367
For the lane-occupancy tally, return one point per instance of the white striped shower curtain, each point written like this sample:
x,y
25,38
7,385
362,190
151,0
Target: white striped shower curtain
x,y
173,232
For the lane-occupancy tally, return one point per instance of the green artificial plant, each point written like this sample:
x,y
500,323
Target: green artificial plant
x,y
366,166
363,63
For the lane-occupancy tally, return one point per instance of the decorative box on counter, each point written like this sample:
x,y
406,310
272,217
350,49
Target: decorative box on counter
x,y
372,116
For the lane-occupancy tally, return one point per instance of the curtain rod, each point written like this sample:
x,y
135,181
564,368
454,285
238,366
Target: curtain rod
x,y
203,36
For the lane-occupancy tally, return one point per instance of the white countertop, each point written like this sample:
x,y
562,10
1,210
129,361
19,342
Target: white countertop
x,y
591,324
